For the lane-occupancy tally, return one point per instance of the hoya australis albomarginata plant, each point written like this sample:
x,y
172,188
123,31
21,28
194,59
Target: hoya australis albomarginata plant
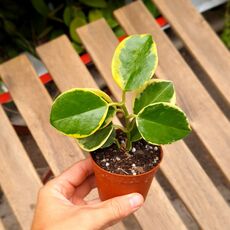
x,y
86,114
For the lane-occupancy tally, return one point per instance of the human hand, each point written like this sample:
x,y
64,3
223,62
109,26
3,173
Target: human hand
x,y
61,203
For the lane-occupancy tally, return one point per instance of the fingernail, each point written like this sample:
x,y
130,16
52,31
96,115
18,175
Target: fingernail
x,y
136,201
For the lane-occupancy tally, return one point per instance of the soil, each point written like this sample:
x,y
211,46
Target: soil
x,y
140,159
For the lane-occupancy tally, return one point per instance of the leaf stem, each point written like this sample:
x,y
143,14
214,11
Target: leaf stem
x,y
131,125
121,128
117,143
118,104
132,115
127,121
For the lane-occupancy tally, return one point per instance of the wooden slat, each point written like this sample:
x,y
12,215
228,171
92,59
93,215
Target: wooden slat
x,y
34,103
66,68
18,178
201,40
205,116
157,213
68,71
99,30
54,52
1,225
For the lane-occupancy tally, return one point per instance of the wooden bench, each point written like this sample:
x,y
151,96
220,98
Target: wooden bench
x,y
18,177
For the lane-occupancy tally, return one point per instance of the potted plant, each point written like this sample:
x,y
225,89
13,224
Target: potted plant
x,y
125,158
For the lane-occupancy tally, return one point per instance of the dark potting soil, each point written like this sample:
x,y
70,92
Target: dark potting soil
x,y
140,159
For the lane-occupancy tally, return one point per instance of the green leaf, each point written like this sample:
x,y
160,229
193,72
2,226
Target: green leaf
x,y
78,112
95,15
135,134
110,140
119,31
96,140
154,91
56,33
152,8
109,117
78,48
45,32
94,3
77,22
162,123
108,14
134,61
111,111
9,27
102,94
71,12
40,7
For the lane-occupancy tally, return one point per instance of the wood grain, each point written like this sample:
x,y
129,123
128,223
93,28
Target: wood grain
x,y
66,68
186,186
206,118
1,225
201,40
157,212
18,178
34,103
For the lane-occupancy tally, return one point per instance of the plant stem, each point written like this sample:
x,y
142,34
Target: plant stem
x,y
131,125
118,104
117,143
132,116
121,128
120,110
127,121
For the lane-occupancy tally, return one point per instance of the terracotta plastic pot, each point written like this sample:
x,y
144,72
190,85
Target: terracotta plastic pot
x,y
111,185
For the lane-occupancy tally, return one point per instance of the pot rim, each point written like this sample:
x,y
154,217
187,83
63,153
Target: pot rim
x,y
121,175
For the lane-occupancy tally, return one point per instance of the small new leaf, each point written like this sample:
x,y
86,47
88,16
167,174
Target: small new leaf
x,y
135,134
110,140
96,140
109,117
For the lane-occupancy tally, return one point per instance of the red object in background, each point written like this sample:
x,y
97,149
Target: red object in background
x,y
86,59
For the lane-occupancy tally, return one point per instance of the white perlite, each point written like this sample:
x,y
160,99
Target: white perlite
x,y
118,158
133,149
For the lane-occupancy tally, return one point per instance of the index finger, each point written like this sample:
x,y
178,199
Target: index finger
x,y
77,173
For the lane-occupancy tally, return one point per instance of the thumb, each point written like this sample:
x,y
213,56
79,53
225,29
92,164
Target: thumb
x,y
113,210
